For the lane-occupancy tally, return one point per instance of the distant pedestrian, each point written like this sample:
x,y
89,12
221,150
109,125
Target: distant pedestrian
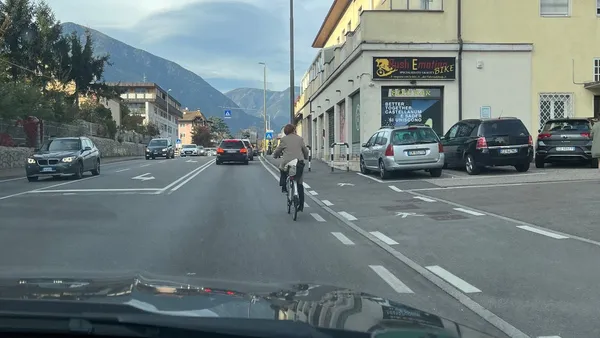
x,y
595,135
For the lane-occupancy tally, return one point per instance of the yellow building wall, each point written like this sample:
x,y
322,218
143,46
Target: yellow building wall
x,y
352,17
558,43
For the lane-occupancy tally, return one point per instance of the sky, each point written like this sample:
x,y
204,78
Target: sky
x,y
221,40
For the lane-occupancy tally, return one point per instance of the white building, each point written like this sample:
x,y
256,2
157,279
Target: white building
x,y
150,101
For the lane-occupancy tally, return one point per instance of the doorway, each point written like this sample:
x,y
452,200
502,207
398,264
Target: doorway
x,y
597,106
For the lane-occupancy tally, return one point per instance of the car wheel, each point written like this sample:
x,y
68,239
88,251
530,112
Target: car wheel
x,y
539,163
523,167
79,173
383,173
217,163
32,178
435,172
246,162
96,170
147,158
594,163
363,167
470,166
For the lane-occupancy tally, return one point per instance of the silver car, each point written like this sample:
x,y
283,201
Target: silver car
x,y
406,148
189,150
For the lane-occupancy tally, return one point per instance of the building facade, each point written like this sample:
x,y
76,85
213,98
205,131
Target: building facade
x,y
149,100
394,62
187,123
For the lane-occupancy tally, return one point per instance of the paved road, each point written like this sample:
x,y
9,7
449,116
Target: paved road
x,y
523,246
189,216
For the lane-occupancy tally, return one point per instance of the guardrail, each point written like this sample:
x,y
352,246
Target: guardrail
x,y
332,149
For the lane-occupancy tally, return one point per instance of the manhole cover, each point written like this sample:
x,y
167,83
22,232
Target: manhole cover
x,y
450,217
400,207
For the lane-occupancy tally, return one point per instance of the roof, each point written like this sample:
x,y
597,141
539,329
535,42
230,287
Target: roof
x,y
189,116
141,85
336,11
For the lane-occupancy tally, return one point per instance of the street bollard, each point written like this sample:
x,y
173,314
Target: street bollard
x,y
309,156
332,148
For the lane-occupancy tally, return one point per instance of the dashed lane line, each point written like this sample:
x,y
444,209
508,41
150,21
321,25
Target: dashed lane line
x,y
347,216
542,232
327,203
342,238
317,217
470,212
430,200
390,279
385,239
122,170
312,192
453,279
306,186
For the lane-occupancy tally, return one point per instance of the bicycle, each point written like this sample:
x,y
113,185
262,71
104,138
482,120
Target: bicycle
x,y
292,197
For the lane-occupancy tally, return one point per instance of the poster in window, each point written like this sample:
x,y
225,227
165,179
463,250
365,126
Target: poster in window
x,y
342,125
401,106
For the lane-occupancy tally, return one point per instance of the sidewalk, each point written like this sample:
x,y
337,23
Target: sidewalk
x,y
20,172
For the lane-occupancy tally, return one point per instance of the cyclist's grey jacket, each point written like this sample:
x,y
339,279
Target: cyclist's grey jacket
x,y
292,147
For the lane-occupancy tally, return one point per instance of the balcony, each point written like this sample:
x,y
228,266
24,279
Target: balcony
x,y
138,96
411,5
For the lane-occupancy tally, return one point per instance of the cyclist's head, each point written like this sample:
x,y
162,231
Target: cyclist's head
x,y
289,128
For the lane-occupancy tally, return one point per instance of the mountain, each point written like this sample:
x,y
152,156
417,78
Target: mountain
x,y
130,64
251,100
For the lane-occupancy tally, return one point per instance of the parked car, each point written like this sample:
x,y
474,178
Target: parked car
x,y
189,150
160,147
406,148
64,156
201,151
232,150
478,143
565,140
250,150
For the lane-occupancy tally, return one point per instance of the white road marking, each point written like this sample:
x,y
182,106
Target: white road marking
x,y
392,280
191,177
345,240
500,185
122,170
385,239
185,176
88,190
312,192
317,217
69,194
306,186
395,188
548,337
347,216
470,212
306,205
425,199
452,279
327,203
145,165
370,177
12,179
143,177
50,186
406,214
542,232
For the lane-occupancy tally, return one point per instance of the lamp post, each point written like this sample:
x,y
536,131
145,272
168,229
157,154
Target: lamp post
x,y
264,102
292,89
168,91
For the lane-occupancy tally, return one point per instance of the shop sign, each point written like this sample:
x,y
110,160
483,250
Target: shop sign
x,y
414,68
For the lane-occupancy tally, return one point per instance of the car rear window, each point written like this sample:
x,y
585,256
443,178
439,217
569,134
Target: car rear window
x,y
414,136
578,125
232,144
158,143
247,144
504,128
189,146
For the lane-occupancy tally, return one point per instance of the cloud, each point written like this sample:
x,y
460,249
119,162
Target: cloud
x,y
221,40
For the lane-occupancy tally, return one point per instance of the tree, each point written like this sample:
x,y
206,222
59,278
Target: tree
x,y
218,127
245,133
201,135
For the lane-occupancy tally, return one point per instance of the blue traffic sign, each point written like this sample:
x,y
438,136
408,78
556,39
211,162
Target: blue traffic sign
x,y
178,141
227,114
269,135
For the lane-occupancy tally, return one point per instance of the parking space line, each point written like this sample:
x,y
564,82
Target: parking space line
x,y
390,279
430,200
317,217
395,188
470,212
327,203
345,240
452,279
498,185
542,232
312,192
370,177
385,239
347,216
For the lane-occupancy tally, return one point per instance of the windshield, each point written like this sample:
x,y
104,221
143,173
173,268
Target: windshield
x,y
567,125
231,144
188,146
62,145
412,136
158,143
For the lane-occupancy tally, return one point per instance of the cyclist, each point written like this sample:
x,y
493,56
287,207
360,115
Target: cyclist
x,y
292,147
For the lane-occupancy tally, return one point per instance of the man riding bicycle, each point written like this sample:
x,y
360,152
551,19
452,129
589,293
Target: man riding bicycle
x,y
292,147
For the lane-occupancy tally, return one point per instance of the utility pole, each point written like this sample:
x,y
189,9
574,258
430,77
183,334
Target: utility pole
x,y
292,88
264,101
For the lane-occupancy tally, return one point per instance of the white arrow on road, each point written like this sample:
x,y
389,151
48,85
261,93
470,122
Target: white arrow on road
x,y
191,161
344,184
406,214
143,177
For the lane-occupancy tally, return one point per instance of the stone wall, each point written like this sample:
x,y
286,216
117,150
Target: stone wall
x,y
16,157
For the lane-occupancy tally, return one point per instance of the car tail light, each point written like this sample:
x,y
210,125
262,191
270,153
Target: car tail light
x,y
543,136
389,151
481,143
530,140
440,147
586,134
243,150
220,150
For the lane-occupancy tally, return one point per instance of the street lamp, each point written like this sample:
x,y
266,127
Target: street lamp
x,y
264,101
292,89
168,91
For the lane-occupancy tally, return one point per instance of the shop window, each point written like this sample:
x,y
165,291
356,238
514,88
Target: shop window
x,y
555,7
597,69
555,106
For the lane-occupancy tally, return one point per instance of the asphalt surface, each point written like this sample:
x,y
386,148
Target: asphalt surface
x,y
506,253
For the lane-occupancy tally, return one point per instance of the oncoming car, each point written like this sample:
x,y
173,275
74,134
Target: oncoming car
x,y
189,150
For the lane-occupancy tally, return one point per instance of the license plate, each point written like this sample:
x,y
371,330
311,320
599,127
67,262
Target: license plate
x,y
416,152
47,169
565,148
232,151
509,151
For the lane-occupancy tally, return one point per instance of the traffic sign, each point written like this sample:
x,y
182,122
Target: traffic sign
x,y
178,141
269,135
227,114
